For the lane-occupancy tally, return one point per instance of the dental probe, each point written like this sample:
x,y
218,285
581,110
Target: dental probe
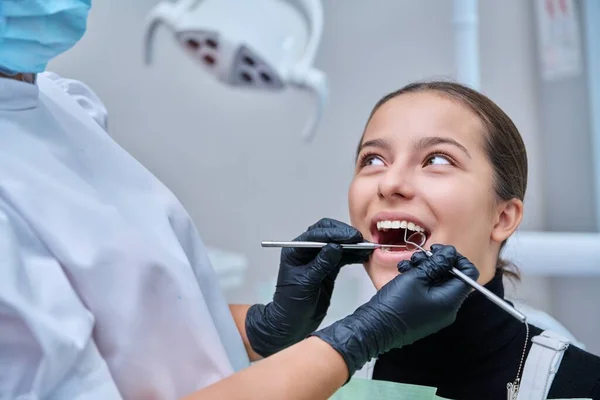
x,y
316,245
474,284
371,246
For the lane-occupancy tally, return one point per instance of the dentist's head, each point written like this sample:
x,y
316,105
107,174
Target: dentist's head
x,y
33,32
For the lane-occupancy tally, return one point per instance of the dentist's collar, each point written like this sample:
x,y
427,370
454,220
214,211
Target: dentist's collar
x,y
18,92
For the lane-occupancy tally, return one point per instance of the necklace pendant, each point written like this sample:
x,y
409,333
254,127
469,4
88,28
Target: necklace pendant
x,y
512,390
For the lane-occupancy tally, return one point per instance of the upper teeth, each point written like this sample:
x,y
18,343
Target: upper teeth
x,y
411,226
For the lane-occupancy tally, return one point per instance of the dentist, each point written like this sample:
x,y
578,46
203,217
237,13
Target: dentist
x,y
106,291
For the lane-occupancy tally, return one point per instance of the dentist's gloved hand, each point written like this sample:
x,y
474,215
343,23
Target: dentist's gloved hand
x,y
304,288
420,301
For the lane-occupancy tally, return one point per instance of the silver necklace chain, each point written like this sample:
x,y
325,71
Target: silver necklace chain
x,y
513,388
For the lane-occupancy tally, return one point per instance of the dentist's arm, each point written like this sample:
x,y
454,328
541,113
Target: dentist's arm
x,y
309,370
239,313
46,347
422,300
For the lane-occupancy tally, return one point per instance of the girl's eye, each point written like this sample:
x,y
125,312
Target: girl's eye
x,y
373,160
368,160
438,159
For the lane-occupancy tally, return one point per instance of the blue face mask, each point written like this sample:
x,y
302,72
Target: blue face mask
x,y
33,32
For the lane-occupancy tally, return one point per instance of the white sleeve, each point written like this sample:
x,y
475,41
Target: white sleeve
x,y
46,345
84,96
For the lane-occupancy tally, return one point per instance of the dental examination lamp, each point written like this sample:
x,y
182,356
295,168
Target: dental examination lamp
x,y
264,45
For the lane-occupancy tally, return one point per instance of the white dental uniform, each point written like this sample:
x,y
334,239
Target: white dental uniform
x,y
106,291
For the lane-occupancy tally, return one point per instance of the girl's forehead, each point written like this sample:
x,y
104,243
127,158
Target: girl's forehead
x,y
412,116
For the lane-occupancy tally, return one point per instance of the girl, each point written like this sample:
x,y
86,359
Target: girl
x,y
444,160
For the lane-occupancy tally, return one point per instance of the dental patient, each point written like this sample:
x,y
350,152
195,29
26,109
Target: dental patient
x,y
444,160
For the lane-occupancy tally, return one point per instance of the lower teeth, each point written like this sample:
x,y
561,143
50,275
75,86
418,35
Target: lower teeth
x,y
391,250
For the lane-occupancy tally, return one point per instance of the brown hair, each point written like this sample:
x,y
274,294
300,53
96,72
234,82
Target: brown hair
x,y
503,143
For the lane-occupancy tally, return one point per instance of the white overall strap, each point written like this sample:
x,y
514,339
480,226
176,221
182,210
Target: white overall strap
x,y
542,365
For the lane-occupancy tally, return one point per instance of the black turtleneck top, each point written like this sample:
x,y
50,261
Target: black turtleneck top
x,y
476,356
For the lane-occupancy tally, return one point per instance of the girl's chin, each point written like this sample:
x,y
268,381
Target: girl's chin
x,y
380,275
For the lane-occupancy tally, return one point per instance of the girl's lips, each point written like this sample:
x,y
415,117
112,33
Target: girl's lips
x,y
391,258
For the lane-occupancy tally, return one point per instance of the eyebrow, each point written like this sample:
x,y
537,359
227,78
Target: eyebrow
x,y
431,141
377,143
423,143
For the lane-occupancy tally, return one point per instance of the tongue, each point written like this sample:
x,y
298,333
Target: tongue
x,y
393,249
393,236
396,237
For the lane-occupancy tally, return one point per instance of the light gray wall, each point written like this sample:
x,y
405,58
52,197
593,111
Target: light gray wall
x,y
591,14
236,160
509,77
565,123
568,182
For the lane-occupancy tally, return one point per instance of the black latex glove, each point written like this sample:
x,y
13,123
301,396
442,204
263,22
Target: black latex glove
x,y
422,300
304,288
